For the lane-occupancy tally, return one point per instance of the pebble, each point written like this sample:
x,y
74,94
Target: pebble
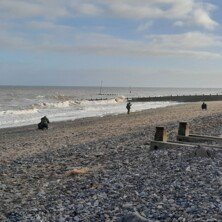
x,y
158,185
76,218
171,201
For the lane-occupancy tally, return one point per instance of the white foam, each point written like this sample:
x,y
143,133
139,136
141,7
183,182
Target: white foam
x,y
120,99
12,118
64,104
58,105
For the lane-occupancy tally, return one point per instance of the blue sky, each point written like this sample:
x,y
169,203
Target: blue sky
x,y
148,43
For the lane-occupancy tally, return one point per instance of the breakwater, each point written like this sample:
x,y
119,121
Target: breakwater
x,y
178,98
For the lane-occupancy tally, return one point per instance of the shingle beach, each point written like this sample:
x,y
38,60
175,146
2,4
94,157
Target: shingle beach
x,y
101,169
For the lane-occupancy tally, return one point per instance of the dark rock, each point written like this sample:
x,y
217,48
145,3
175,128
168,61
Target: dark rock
x,y
202,152
135,217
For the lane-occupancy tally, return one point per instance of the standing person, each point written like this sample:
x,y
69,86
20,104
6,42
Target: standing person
x,y
128,106
204,106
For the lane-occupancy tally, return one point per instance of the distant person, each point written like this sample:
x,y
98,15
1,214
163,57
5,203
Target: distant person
x,y
44,123
128,107
204,106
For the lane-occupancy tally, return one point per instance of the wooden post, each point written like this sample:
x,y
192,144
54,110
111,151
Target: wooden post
x,y
161,134
183,129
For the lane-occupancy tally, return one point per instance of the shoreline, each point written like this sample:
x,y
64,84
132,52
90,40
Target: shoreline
x,y
160,185
123,114
93,128
29,116
60,114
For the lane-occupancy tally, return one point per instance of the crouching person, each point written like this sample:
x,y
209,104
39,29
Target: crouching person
x,y
44,123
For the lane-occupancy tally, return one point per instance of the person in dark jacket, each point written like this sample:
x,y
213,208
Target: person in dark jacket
x,y
44,123
128,107
204,106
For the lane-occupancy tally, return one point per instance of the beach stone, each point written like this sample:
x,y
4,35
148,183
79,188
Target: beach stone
x,y
159,207
171,201
135,217
128,205
143,194
202,152
191,209
62,219
160,185
180,219
3,186
188,169
14,216
96,203
220,181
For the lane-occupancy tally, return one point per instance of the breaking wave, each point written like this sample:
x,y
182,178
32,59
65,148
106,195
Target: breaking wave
x,y
76,104
120,99
64,104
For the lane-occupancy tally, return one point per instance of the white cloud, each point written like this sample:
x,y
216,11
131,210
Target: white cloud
x,y
48,25
189,44
136,11
196,45
189,40
191,12
88,9
144,26
19,9
53,36
179,24
176,10
202,18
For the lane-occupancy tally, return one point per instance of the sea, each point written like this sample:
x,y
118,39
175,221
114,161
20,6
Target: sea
x,y
25,105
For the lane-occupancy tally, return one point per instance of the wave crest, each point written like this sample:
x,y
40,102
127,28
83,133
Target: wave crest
x,y
63,104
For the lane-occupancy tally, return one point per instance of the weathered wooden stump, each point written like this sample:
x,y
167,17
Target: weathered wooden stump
x,y
161,134
183,129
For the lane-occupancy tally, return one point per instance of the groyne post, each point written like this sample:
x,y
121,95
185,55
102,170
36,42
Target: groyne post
x,y
183,129
161,134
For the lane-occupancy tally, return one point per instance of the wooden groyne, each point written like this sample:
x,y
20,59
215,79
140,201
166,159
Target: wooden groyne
x,y
201,144
108,94
178,98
